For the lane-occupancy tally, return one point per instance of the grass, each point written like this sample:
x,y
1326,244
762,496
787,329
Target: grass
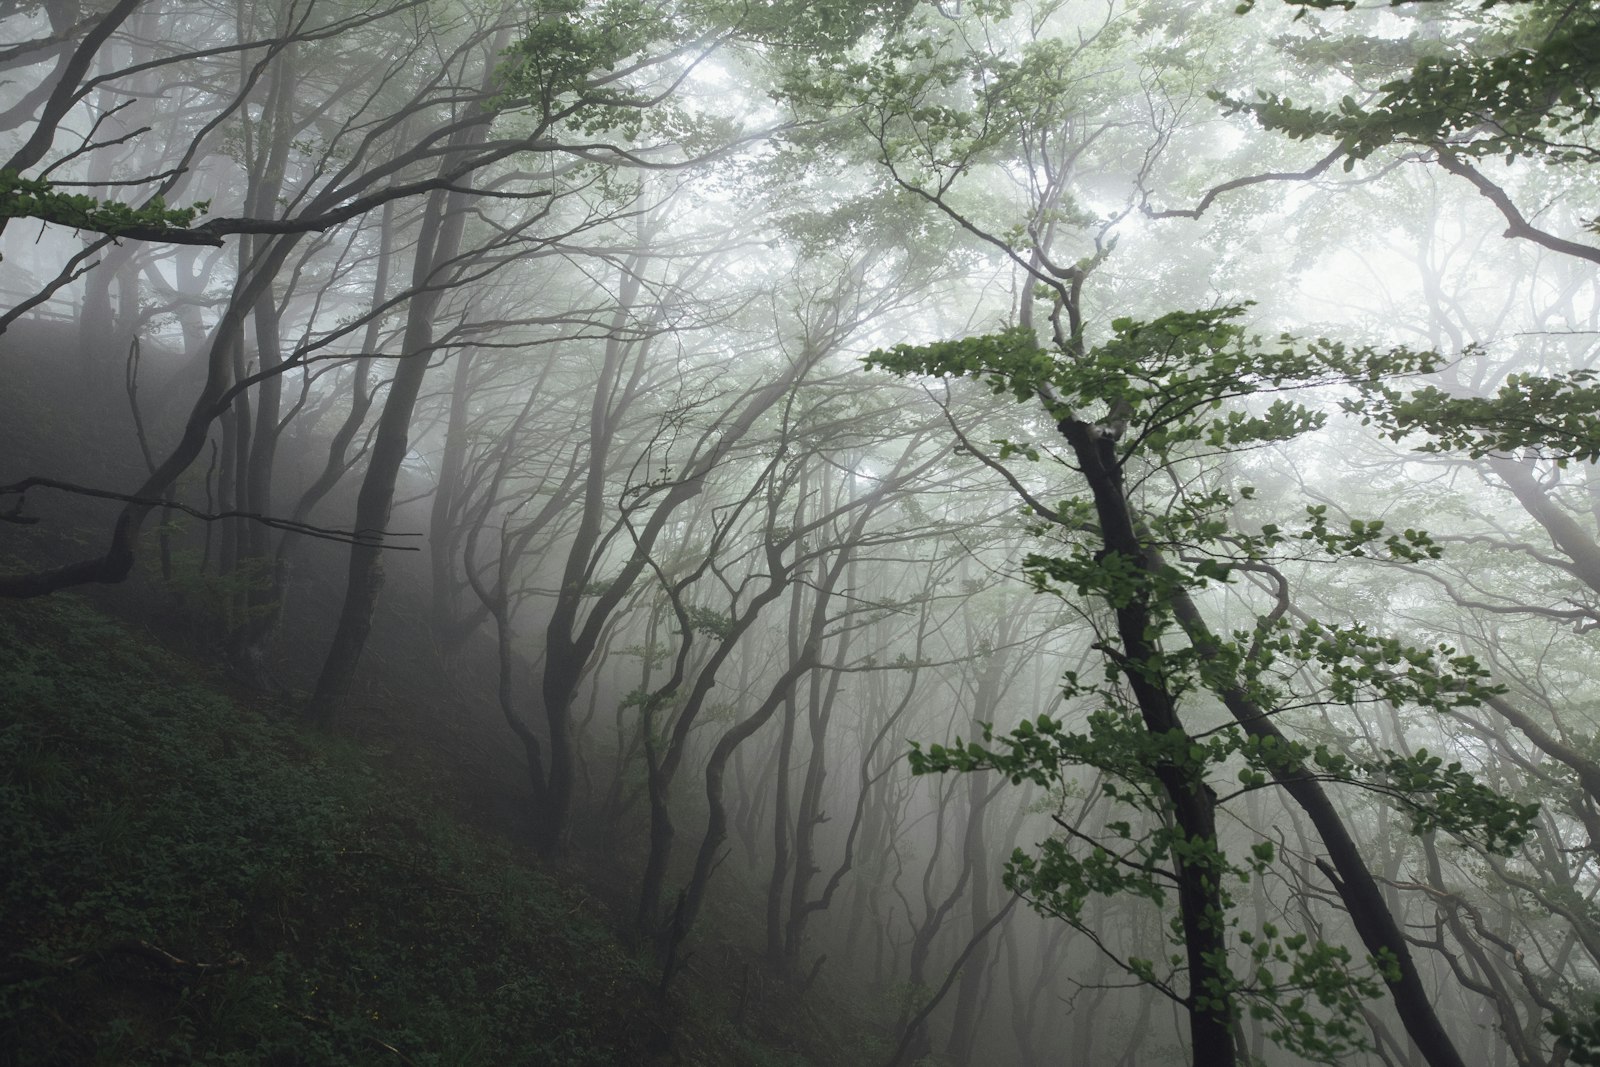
x,y
185,878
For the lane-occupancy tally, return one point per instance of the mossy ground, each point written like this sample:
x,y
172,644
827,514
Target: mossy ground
x,y
186,877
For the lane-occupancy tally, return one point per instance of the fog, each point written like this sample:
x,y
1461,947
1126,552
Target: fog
x,y
983,521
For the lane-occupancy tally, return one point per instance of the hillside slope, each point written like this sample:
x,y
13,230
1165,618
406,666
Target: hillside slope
x,y
192,878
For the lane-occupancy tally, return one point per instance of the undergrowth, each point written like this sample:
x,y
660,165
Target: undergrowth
x,y
190,879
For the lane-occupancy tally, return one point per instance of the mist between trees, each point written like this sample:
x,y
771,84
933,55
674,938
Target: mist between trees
x,y
1069,527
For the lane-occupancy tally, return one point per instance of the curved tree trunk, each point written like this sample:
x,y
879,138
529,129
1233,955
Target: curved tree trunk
x,y
1193,804
443,222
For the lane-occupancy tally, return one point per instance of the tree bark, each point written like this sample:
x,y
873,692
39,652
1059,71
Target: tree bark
x,y
1193,804
1362,896
440,239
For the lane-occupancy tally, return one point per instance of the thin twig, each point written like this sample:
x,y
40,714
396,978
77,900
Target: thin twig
x,y
347,537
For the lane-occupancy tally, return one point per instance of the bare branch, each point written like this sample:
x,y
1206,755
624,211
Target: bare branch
x,y
375,538
1215,191
1518,225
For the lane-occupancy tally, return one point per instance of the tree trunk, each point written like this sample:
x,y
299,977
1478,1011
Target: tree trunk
x,y
810,814
450,625
780,813
439,241
1193,804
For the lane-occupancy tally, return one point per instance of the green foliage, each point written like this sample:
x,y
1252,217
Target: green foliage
x,y
1525,85
1307,993
1158,394
1166,377
939,109
216,603
817,29
562,64
1444,796
1113,577
188,880
23,198
1363,538
1358,665
1580,1037
1556,416
708,621
1437,795
590,65
1010,361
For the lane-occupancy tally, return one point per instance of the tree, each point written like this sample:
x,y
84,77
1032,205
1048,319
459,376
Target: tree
x,y
1138,405
360,169
1480,93
1517,79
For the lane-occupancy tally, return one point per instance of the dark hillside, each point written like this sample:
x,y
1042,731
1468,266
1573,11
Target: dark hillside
x,y
188,879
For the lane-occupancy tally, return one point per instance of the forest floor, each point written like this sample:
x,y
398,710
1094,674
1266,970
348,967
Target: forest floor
x,y
189,876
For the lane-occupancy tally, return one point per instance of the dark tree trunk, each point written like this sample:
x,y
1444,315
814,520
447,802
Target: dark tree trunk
x,y
780,809
1349,873
810,815
1193,804
439,241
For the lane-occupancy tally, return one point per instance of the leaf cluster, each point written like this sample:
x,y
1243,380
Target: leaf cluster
x,y
1318,972
562,63
1556,416
708,621
1528,87
1169,378
1580,1037
1309,993
1165,391
22,198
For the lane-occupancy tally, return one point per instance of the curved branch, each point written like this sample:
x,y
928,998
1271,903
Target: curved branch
x,y
921,1017
1518,225
1215,191
349,537
63,96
